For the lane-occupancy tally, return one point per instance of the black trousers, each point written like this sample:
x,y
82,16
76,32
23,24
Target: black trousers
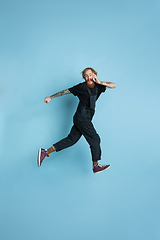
x,y
82,126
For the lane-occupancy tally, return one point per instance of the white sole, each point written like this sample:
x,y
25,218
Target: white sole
x,y
102,170
39,154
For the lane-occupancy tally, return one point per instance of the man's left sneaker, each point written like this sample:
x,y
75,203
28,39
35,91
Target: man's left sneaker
x,y
100,168
42,154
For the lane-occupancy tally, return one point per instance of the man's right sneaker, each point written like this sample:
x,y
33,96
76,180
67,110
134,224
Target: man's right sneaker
x,y
100,168
42,154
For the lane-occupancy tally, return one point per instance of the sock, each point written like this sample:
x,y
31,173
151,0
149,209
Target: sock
x,y
51,149
95,163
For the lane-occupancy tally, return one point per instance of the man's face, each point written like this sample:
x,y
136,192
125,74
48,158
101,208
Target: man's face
x,y
88,75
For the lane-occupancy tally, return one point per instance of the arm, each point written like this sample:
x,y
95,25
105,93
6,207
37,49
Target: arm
x,y
106,84
61,93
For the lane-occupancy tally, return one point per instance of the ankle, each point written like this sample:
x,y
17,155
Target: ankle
x,y
95,163
51,149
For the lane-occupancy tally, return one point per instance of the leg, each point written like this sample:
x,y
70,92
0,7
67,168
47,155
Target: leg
x,y
88,131
70,140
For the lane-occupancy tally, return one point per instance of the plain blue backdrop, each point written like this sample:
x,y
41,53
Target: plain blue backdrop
x,y
44,46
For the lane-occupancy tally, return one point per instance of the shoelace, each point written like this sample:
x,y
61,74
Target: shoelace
x,y
100,165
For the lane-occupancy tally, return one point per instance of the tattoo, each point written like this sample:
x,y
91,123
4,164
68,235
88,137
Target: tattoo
x,y
108,84
60,93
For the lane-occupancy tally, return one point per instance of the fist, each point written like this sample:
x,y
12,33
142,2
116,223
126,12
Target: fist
x,y
47,99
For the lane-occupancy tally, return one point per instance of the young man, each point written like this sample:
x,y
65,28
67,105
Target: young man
x,y
82,119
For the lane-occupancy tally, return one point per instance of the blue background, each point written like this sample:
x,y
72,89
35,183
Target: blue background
x,y
44,46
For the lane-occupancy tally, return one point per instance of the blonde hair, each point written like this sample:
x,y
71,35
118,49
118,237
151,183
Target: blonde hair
x,y
89,68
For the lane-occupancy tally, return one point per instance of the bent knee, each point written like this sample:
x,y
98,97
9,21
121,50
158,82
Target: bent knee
x,y
73,139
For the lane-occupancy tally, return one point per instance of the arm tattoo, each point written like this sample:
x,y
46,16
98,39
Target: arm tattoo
x,y
108,84
60,93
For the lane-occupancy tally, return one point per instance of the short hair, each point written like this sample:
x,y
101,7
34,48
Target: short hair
x,y
89,68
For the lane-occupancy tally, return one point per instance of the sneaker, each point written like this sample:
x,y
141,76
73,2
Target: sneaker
x,y
42,154
100,168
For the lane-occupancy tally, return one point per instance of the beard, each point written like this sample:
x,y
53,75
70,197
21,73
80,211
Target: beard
x,y
90,83
91,79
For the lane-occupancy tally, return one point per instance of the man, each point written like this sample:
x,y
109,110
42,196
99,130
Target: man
x,y
83,118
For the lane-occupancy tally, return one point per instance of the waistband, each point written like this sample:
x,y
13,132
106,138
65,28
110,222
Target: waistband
x,y
81,106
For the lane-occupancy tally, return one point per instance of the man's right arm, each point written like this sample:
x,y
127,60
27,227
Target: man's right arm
x,y
61,93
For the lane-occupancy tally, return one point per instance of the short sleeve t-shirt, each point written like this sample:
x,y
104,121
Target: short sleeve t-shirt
x,y
80,90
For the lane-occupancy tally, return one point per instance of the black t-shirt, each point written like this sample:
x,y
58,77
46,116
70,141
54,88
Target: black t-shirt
x,y
80,90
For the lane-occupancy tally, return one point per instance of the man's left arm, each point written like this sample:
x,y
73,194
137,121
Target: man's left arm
x,y
106,84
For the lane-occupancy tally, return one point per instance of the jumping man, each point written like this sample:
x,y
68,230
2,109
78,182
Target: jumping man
x,y
87,93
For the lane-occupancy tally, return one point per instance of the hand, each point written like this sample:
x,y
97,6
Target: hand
x,y
47,99
95,78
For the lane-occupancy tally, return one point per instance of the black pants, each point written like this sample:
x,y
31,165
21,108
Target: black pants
x,y
82,126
